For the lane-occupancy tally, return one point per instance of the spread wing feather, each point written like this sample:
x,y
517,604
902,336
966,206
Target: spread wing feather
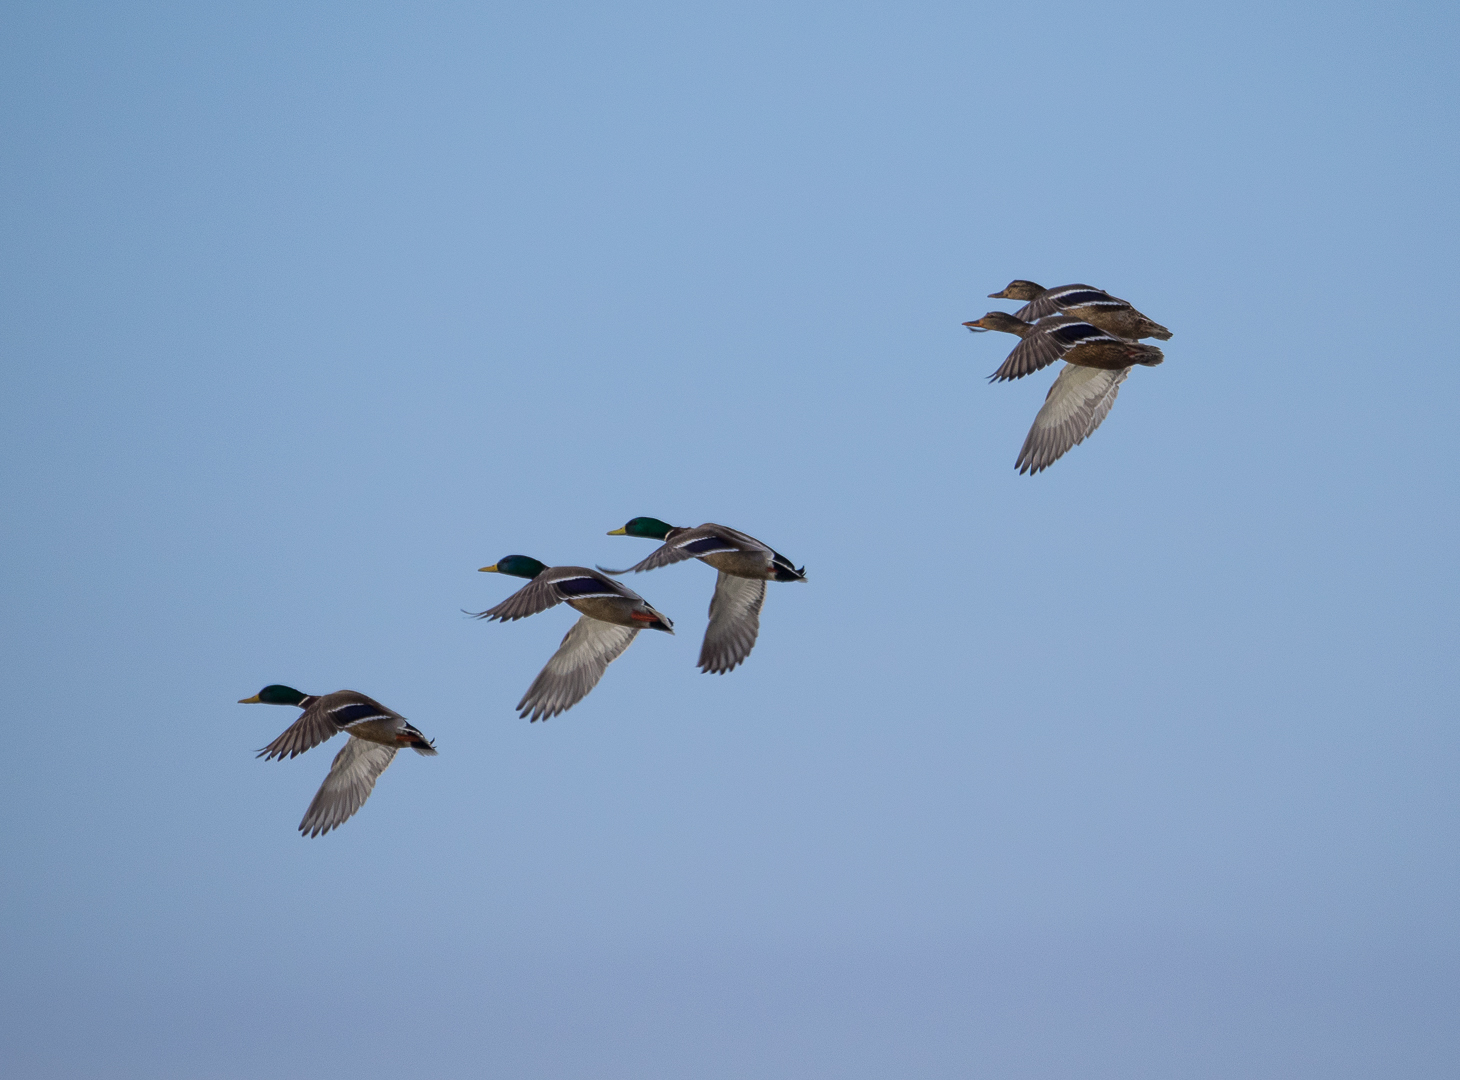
x,y
734,623
692,544
1054,300
551,588
587,650
350,781
1075,406
1037,309
313,727
1052,338
1033,353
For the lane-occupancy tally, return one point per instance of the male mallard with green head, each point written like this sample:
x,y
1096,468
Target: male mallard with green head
x,y
745,565
1095,306
612,617
376,733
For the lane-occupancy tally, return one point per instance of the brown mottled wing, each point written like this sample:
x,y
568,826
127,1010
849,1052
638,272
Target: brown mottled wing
x,y
1030,355
1036,310
587,650
734,623
1075,406
350,781
1052,338
1055,300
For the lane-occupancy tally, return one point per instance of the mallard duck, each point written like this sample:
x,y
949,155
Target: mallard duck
x,y
1095,306
745,565
376,733
1096,363
1062,337
612,616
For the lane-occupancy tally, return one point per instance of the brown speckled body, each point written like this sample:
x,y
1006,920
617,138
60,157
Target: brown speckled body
x,y
1113,355
1122,322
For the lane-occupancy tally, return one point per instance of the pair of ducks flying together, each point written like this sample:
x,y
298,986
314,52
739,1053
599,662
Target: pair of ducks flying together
x,y
612,616
1095,334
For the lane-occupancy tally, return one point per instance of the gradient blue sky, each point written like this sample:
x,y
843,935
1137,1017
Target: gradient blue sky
x,y
1141,768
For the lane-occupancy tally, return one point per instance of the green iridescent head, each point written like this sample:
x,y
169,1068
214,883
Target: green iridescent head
x,y
516,566
648,528
275,694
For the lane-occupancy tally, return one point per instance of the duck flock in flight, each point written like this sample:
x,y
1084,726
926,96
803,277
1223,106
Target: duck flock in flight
x,y
1096,335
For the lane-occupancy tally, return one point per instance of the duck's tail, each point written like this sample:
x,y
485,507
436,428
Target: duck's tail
x,y
652,620
418,742
783,569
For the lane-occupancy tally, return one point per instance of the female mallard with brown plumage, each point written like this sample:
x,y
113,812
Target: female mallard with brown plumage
x,y
1094,306
376,733
1062,337
612,617
1096,363
745,565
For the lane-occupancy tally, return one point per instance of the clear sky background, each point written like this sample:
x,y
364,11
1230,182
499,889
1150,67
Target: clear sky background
x,y
1145,767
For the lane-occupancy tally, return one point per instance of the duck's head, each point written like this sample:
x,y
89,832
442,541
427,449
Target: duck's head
x,y
998,320
648,528
275,694
1018,289
516,566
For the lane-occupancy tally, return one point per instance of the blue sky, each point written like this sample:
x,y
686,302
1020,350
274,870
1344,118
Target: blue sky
x,y
1143,767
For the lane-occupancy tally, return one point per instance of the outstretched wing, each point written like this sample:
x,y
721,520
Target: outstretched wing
x,y
734,623
1055,300
1052,338
1075,406
326,715
552,587
351,780
1037,309
313,727
692,544
587,650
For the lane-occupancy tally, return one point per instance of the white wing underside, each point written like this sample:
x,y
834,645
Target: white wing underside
x,y
587,650
350,781
734,623
1076,404
1037,309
